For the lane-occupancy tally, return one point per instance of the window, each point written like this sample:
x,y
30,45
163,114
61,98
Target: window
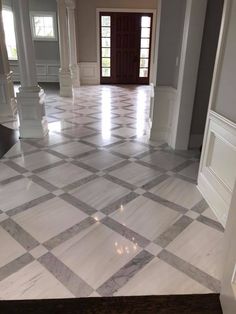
x,y
9,30
106,45
145,46
43,25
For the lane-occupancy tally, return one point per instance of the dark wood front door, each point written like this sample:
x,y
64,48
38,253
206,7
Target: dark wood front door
x,y
125,48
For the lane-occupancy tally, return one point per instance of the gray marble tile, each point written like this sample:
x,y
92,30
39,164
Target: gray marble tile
x,y
123,275
16,167
125,232
67,277
19,234
10,180
122,201
79,183
87,209
212,223
46,185
69,233
170,234
30,204
166,203
190,270
155,182
120,182
200,207
15,265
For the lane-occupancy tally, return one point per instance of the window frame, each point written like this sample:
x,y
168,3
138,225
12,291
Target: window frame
x,y
43,14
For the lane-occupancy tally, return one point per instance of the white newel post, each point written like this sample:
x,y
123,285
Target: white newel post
x,y
30,98
7,100
74,68
64,72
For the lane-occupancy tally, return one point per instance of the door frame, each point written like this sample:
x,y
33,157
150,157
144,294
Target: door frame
x,y
153,57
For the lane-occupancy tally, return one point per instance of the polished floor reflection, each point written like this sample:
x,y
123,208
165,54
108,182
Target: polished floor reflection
x,y
96,209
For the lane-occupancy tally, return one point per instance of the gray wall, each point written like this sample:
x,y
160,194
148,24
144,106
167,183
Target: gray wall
x,y
171,33
206,65
86,22
45,51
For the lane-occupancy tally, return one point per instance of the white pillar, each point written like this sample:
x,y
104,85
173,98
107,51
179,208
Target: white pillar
x,y
64,72
30,98
7,100
74,68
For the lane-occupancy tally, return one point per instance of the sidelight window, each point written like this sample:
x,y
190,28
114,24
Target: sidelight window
x,y
145,46
106,45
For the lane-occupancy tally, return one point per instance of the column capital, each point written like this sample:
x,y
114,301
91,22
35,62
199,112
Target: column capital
x,y
70,4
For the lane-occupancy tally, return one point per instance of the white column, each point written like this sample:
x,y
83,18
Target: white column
x,y
74,68
30,98
7,100
64,72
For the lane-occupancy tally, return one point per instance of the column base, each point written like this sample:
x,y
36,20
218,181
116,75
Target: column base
x,y
65,83
75,75
30,104
7,100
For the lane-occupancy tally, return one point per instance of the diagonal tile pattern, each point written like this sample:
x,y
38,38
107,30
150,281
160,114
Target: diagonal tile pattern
x,y
96,209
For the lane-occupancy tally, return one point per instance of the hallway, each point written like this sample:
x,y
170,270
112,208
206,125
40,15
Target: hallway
x,y
95,209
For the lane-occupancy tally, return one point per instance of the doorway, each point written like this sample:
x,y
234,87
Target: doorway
x,y
125,47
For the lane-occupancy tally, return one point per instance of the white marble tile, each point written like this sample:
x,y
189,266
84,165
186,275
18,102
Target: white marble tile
x,y
20,148
48,219
6,172
153,248
124,132
178,191
38,251
24,191
102,140
72,149
32,282
99,193
64,174
146,217
191,171
52,139
135,174
81,120
10,248
192,214
164,160
202,246
36,160
96,254
101,160
130,149
210,214
159,278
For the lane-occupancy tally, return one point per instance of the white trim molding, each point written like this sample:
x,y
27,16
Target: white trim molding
x,y
217,170
165,98
89,73
46,72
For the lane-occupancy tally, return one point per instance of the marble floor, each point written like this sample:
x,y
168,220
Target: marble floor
x,y
96,209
